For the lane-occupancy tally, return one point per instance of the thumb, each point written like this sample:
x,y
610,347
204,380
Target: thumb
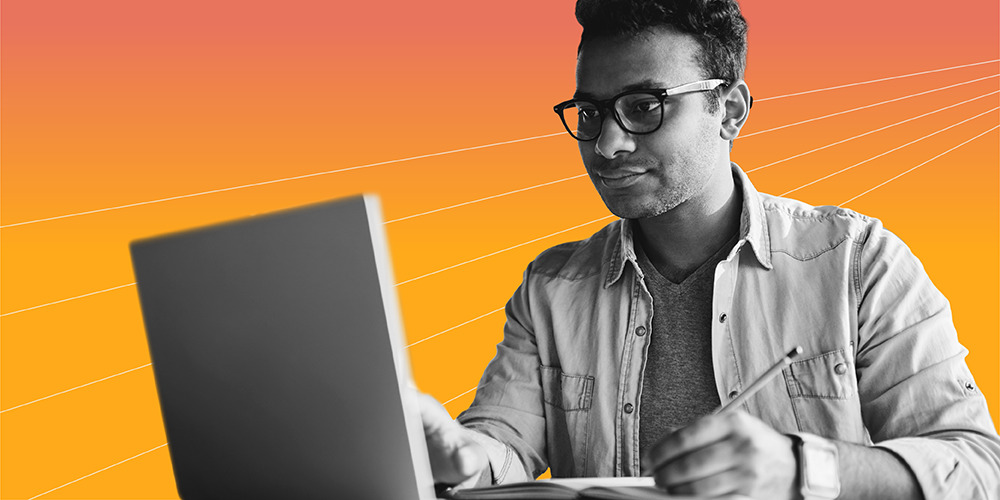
x,y
469,458
434,417
454,455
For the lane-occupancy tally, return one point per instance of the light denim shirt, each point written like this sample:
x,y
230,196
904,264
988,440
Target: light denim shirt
x,y
881,361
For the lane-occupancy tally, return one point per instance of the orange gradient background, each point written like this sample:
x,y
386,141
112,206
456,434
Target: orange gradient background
x,y
111,102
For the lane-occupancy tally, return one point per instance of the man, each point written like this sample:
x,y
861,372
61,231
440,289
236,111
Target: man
x,y
618,348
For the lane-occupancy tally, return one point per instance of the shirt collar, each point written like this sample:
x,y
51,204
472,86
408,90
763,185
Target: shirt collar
x,y
753,231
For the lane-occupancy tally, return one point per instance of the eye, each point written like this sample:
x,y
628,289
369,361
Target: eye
x,y
588,112
644,105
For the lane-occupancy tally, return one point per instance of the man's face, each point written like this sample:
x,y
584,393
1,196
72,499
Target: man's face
x,y
647,175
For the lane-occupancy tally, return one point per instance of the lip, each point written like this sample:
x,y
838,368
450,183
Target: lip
x,y
619,179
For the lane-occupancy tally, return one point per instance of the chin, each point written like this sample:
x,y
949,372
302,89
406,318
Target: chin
x,y
637,209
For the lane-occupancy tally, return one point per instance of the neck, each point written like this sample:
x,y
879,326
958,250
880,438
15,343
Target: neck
x,y
685,237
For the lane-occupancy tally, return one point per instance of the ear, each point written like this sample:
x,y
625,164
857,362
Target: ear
x,y
736,102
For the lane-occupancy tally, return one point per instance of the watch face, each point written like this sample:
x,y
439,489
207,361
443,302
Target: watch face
x,y
821,474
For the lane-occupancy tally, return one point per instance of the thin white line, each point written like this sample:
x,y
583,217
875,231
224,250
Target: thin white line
x,y
871,132
102,470
150,364
387,222
191,195
582,175
456,397
866,106
918,166
397,284
275,181
486,198
875,81
565,179
523,189
75,388
66,300
887,152
504,250
501,308
456,326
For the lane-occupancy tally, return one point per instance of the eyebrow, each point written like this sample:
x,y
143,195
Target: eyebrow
x,y
640,85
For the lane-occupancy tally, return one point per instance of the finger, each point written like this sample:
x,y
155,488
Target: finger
x,y
469,459
731,481
702,463
453,454
454,459
699,434
432,414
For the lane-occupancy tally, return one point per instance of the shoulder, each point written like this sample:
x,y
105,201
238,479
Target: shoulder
x,y
805,231
580,259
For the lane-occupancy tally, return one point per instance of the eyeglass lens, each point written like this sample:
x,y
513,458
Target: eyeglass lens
x,y
638,113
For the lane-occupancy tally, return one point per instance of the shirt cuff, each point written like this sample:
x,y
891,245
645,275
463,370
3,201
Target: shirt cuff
x,y
502,459
932,463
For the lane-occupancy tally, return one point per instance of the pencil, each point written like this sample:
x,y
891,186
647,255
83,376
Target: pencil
x,y
760,382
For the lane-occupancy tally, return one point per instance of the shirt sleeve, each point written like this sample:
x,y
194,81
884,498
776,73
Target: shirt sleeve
x,y
918,397
508,412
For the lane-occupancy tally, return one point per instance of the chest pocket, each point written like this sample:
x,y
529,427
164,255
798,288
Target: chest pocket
x,y
824,395
827,376
567,410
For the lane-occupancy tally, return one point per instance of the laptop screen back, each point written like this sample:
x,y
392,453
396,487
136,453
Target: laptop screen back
x,y
276,347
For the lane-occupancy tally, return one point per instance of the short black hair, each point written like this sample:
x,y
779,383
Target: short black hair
x,y
717,26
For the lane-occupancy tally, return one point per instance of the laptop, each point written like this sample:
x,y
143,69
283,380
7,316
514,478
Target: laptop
x,y
276,345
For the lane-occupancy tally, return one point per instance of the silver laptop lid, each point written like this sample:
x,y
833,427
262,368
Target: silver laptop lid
x,y
276,344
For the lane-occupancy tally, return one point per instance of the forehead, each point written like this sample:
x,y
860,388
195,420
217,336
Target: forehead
x,y
659,57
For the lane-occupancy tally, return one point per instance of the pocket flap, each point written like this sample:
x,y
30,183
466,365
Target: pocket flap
x,y
568,392
829,375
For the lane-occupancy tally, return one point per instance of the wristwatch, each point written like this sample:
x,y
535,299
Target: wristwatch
x,y
819,470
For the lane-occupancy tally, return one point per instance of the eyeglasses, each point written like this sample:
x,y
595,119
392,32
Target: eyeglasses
x,y
636,111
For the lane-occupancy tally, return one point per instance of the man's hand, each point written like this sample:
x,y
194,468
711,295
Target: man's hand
x,y
725,454
454,456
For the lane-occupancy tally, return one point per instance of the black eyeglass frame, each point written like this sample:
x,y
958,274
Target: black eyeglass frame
x,y
608,105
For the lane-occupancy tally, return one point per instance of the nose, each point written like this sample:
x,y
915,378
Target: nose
x,y
613,140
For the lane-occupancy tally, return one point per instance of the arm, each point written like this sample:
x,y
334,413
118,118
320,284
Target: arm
x,y
918,398
456,456
868,472
501,437
738,453
507,413
932,431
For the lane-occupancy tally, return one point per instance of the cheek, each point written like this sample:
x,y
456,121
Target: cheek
x,y
588,155
692,122
667,147
697,140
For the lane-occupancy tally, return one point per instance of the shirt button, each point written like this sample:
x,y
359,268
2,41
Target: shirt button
x,y
640,331
733,394
722,318
841,368
629,408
